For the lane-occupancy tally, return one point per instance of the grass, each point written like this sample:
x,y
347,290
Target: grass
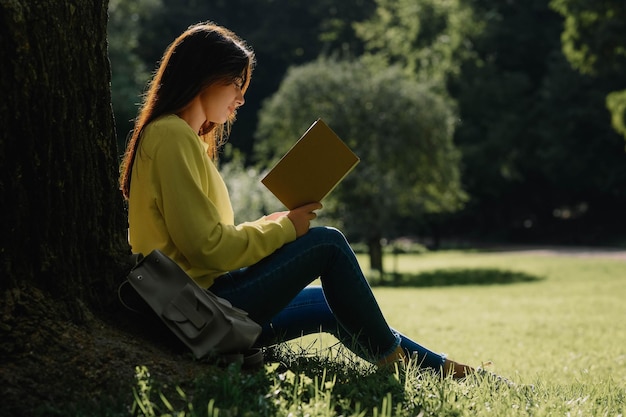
x,y
552,321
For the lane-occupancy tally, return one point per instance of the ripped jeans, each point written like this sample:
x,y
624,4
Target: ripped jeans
x,y
275,293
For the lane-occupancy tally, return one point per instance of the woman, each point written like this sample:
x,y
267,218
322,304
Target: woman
x,y
179,204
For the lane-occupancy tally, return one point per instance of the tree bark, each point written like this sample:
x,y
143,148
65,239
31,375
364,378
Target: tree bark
x,y
376,256
64,225
63,233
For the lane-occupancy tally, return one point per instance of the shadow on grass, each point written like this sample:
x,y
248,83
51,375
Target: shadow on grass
x,y
450,277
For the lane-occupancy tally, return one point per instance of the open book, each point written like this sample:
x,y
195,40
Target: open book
x,y
312,168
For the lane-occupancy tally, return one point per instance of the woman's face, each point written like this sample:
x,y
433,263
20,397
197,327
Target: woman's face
x,y
219,101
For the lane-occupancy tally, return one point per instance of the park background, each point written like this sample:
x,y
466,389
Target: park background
x,y
479,123
476,121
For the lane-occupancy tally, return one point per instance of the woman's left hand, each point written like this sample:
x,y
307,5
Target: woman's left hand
x,y
301,217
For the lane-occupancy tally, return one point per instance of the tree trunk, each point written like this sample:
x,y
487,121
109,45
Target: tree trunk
x,y
64,223
63,234
376,256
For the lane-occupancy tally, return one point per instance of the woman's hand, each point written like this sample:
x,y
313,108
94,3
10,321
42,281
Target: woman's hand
x,y
301,217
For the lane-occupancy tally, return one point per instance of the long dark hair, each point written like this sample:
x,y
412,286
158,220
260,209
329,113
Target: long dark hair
x,y
203,55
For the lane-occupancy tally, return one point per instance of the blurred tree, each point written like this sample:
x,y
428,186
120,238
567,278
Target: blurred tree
x,y
534,132
428,38
616,103
129,73
504,68
496,93
593,35
594,42
281,33
249,198
400,129
575,165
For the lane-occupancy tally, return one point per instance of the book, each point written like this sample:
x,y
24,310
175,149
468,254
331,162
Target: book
x,y
312,168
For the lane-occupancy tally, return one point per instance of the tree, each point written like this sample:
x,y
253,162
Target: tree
x,y
535,132
400,129
594,42
428,38
281,33
531,129
593,34
616,103
129,73
249,199
63,236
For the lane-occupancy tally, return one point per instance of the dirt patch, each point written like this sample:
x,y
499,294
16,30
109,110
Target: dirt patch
x,y
53,367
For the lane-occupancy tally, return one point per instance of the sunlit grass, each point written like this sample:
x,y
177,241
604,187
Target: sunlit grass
x,y
562,330
570,320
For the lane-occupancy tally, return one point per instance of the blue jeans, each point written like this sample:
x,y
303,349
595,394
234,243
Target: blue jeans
x,y
275,293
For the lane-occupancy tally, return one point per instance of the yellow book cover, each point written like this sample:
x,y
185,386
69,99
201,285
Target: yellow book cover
x,y
312,168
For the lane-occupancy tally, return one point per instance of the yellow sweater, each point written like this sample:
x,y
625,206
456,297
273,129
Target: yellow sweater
x,y
179,204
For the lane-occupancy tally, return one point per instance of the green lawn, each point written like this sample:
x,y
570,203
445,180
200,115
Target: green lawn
x,y
569,323
556,322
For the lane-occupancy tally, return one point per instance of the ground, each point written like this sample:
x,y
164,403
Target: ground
x,y
56,367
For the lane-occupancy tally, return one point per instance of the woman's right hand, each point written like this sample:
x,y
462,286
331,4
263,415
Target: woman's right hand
x,y
301,217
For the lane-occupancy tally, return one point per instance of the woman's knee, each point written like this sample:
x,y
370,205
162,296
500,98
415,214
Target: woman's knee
x,y
330,234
